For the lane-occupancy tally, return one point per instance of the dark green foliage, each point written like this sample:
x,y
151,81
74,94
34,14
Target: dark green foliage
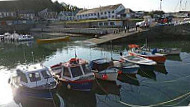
x,y
36,5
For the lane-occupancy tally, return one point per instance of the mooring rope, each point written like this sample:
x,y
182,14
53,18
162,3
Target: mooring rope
x,y
187,95
168,81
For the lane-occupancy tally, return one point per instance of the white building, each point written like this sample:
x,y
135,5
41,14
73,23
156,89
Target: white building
x,y
106,12
5,13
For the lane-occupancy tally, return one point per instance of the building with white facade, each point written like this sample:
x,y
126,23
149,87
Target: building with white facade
x,y
105,12
5,13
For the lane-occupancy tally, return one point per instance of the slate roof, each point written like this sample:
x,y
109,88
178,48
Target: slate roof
x,y
95,10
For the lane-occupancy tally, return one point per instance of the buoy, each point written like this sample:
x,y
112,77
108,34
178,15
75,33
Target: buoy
x,y
119,72
104,77
69,86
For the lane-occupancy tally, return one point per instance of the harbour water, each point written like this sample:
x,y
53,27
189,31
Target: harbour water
x,y
168,84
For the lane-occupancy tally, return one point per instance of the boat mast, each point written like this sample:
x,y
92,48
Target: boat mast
x,y
160,5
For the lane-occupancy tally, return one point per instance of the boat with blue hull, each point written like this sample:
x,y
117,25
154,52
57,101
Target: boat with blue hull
x,y
126,67
74,74
33,81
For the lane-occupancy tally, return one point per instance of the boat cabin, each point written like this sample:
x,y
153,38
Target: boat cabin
x,y
76,69
33,76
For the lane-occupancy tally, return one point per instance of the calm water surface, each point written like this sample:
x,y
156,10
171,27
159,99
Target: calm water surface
x,y
168,82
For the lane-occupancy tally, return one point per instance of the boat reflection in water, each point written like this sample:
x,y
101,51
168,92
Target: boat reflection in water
x,y
161,69
106,87
33,102
74,98
128,78
147,73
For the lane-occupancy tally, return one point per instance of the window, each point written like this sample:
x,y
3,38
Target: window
x,y
106,23
86,69
46,74
66,72
94,14
112,23
22,76
101,13
112,11
109,12
105,12
76,71
112,16
34,77
100,24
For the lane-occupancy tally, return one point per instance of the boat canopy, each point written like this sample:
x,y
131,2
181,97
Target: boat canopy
x,y
75,68
101,64
33,78
133,46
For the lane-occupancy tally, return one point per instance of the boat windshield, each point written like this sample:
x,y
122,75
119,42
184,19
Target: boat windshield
x,y
76,71
34,77
86,69
46,74
22,76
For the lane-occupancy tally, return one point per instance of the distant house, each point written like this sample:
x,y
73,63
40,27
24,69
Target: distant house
x,y
139,14
66,15
6,13
47,14
105,12
126,13
27,14
181,15
187,13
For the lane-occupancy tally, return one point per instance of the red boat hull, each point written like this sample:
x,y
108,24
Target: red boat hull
x,y
156,58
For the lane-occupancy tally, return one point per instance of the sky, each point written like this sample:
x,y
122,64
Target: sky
x,y
136,5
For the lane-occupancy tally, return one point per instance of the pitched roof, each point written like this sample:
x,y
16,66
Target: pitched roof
x,y
126,11
94,10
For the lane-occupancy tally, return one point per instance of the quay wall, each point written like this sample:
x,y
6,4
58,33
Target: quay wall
x,y
22,28
159,33
95,31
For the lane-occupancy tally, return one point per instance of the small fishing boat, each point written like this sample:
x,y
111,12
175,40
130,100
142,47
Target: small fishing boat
x,y
52,40
146,53
138,60
74,74
169,51
126,67
104,69
33,81
25,37
157,57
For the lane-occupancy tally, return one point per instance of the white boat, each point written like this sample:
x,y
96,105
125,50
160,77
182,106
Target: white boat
x,y
18,37
139,60
74,74
25,38
33,81
109,74
104,69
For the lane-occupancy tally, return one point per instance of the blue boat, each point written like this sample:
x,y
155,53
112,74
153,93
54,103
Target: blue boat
x,y
126,67
33,81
